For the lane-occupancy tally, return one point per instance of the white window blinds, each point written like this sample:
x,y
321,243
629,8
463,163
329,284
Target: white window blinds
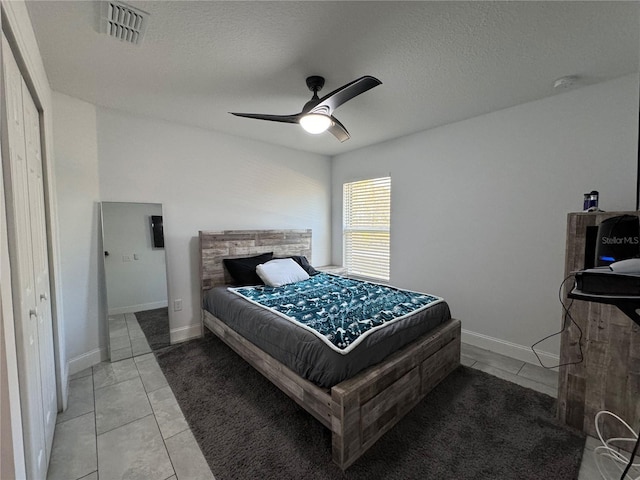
x,y
366,227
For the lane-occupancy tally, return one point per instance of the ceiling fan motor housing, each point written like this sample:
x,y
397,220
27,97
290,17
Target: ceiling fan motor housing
x,y
315,83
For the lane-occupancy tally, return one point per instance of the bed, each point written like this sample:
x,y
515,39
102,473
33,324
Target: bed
x,y
357,410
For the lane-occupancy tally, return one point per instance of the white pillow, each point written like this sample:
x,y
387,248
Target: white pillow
x,y
281,271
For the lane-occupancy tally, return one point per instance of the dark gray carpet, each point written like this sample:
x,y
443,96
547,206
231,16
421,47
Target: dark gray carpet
x,y
472,426
155,325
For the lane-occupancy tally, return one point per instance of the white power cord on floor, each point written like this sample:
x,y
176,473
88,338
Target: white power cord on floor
x,y
608,450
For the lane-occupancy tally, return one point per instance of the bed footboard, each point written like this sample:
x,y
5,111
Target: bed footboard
x,y
369,404
361,409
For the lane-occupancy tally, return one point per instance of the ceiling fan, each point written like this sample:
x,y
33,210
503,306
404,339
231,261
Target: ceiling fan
x,y
317,114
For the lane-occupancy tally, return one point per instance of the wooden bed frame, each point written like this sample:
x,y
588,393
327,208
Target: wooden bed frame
x,y
358,411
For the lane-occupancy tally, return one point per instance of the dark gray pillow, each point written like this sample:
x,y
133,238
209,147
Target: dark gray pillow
x,y
243,270
304,263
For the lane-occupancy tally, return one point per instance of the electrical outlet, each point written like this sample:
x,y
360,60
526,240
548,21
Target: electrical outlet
x,y
177,305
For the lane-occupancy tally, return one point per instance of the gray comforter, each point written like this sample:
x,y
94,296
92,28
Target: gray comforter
x,y
306,354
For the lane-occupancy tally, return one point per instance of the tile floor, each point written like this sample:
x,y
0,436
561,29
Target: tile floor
x,y
124,422
126,338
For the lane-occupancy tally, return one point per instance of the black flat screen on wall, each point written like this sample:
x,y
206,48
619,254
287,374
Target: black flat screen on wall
x,y
156,231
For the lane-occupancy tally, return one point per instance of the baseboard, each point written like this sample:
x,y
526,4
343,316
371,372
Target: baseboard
x,y
138,308
513,350
185,333
63,398
86,360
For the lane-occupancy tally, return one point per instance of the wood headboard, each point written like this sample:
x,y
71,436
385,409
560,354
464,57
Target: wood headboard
x,y
216,246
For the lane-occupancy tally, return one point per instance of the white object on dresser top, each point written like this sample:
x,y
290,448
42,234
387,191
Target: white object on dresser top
x,y
631,265
335,269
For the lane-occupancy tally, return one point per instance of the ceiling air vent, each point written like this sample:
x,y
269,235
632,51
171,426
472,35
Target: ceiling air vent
x,y
123,21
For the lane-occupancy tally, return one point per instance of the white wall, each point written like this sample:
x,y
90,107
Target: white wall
x,y
76,148
479,207
135,270
209,181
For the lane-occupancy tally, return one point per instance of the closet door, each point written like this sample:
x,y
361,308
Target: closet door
x,y
24,289
40,264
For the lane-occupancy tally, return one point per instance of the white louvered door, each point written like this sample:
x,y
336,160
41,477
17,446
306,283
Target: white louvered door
x,y
40,263
29,270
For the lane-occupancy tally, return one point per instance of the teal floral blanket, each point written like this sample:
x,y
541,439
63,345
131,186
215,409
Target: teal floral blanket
x,y
341,311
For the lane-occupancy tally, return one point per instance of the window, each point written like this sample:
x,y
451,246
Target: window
x,y
366,227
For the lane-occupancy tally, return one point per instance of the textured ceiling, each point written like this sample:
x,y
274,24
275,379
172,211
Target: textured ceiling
x,y
439,62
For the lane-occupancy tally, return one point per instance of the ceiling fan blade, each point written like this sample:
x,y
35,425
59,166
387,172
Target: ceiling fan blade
x,y
345,93
273,118
337,130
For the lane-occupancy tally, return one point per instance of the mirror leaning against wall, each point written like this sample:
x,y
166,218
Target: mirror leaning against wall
x,y
135,278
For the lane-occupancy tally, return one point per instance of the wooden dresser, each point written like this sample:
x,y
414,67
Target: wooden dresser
x,y
609,376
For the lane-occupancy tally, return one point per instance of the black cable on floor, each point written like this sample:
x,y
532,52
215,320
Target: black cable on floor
x,y
633,455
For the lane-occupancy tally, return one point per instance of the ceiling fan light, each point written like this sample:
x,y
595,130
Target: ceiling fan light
x,y
315,123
